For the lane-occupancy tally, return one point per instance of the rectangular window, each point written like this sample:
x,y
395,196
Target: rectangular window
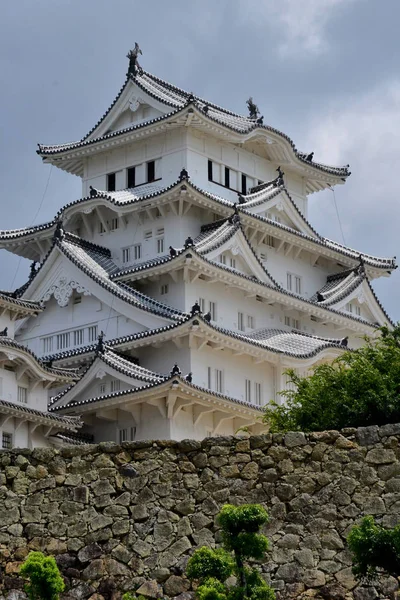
x,y
209,378
269,241
126,255
222,259
6,441
297,282
151,171
289,282
131,177
248,390
63,341
47,344
232,262
92,333
160,245
115,385
164,289
257,393
210,170
111,182
227,177
202,303
295,324
22,395
137,251
123,435
79,336
114,224
250,322
240,321
212,307
102,389
357,310
77,299
263,257
219,381
244,184
101,228
148,235
287,321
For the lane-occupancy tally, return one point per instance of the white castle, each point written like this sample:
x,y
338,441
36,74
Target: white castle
x,y
187,278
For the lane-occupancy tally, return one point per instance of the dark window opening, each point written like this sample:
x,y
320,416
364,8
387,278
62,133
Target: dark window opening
x,y
210,170
151,171
244,184
111,182
227,177
131,177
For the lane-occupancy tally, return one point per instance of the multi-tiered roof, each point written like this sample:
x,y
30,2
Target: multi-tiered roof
x,y
241,223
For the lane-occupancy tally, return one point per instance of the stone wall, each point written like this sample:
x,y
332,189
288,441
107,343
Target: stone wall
x,y
120,517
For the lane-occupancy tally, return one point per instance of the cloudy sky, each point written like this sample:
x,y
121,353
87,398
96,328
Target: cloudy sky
x,y
323,71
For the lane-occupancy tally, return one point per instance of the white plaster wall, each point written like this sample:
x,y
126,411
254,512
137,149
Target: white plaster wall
x,y
56,319
37,398
202,148
170,146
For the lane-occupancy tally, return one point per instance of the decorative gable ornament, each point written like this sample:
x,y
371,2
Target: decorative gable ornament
x,y
134,103
100,374
62,291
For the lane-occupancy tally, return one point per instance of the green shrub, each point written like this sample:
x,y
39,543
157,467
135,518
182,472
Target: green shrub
x,y
240,534
375,549
359,388
45,581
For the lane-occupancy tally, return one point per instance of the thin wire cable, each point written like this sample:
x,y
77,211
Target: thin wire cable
x,y
337,214
33,221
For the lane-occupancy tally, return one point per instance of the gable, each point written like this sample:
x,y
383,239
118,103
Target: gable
x,y
236,253
363,303
279,207
133,106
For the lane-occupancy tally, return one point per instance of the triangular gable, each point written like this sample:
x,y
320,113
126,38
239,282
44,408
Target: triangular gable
x,y
276,204
228,243
363,297
68,267
132,106
101,377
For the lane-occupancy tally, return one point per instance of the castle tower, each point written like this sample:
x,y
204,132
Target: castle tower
x,y
187,278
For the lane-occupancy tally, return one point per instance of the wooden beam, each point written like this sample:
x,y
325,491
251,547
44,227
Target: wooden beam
x,y
173,208
199,411
181,403
87,225
102,220
20,372
218,418
297,253
107,415
170,402
160,404
280,246
4,419
288,249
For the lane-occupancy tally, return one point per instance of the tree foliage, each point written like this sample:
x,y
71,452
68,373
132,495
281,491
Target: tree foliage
x,y
242,541
359,388
45,581
375,549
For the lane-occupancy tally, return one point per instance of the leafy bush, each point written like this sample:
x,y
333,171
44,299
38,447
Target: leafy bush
x,y
240,534
375,549
45,581
359,388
